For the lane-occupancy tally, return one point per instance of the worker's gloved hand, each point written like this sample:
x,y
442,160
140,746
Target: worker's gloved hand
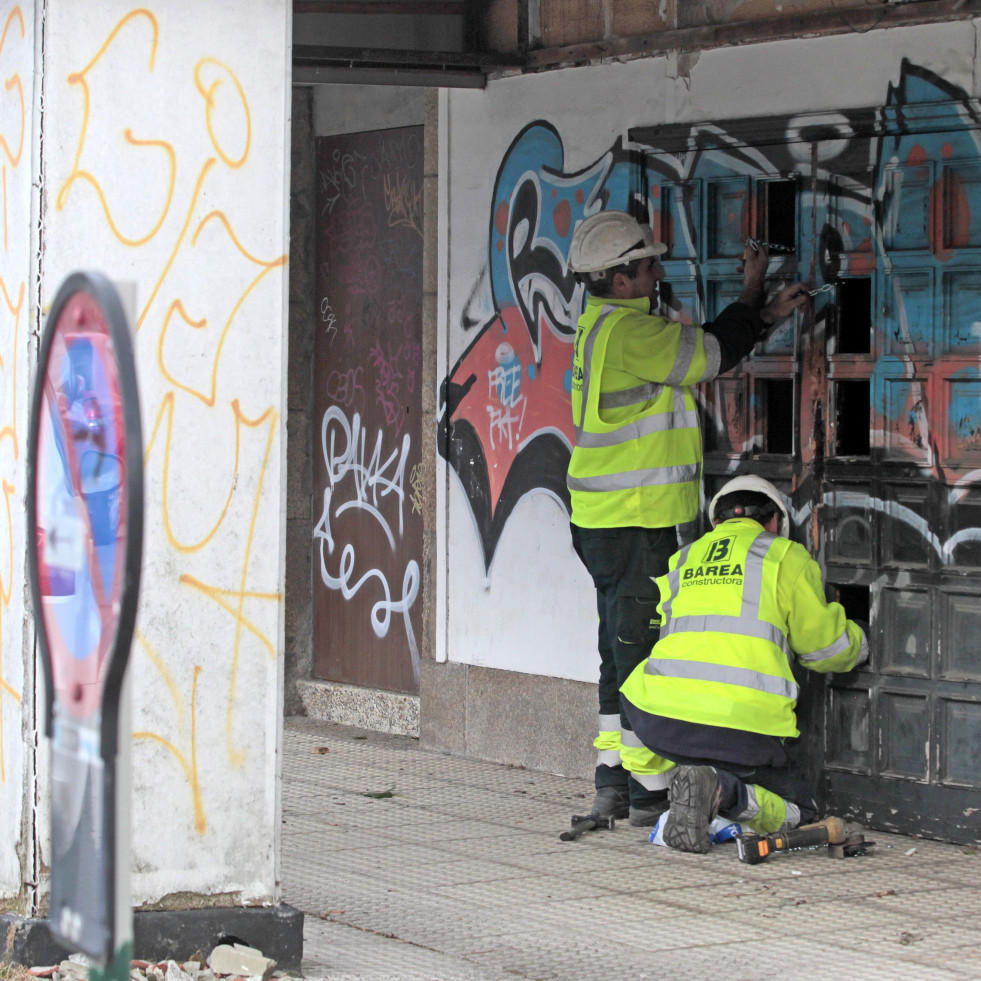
x,y
784,303
755,262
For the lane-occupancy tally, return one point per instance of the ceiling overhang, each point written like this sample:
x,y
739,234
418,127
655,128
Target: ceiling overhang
x,y
392,42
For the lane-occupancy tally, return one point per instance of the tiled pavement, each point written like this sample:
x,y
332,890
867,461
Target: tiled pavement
x,y
414,866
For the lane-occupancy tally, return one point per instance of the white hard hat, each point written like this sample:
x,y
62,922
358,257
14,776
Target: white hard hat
x,y
756,485
611,238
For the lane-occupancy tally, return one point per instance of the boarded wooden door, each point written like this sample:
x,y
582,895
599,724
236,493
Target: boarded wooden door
x,y
368,409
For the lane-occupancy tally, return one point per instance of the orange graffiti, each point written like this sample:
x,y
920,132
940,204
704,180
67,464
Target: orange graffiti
x,y
189,766
9,429
177,306
210,93
11,83
194,326
79,174
167,410
242,593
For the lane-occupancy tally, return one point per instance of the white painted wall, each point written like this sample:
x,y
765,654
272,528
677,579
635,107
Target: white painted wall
x,y
166,163
17,144
535,609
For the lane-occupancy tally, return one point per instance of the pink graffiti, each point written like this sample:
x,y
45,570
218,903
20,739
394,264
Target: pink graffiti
x,y
343,387
387,383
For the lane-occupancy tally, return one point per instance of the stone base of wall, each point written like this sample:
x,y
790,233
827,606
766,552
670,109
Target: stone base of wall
x,y
161,935
365,708
546,724
509,717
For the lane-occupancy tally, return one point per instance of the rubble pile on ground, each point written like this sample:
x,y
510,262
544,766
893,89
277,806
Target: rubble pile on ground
x,y
228,962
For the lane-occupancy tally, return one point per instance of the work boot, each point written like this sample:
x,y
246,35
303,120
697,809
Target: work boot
x,y
647,805
611,802
646,817
694,794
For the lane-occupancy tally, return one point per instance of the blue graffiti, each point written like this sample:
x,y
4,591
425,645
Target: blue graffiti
x,y
883,206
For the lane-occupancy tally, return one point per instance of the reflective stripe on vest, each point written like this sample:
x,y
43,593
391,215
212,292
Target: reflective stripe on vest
x,y
674,580
587,360
686,352
832,650
678,418
725,674
660,424
635,478
748,624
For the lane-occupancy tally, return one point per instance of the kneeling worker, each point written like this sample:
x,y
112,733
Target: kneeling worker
x,y
717,694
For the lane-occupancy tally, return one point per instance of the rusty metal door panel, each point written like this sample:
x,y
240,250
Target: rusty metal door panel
x,y
368,409
900,750
865,410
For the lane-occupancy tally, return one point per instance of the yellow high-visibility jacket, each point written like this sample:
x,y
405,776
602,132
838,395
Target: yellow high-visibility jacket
x,y
736,606
638,453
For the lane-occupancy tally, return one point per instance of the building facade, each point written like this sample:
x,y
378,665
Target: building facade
x,y
356,417
151,143
854,152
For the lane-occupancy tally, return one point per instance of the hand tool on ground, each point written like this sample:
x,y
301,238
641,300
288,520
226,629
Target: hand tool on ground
x,y
854,844
753,848
581,823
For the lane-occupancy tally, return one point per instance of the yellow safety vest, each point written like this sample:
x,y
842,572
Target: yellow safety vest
x,y
736,606
638,453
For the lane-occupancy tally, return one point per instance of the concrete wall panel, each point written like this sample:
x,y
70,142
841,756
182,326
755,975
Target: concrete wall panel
x,y
166,156
359,108
17,351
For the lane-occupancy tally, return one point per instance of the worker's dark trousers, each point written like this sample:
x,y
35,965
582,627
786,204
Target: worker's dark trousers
x,y
623,563
784,781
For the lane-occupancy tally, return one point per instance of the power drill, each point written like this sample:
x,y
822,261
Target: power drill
x,y
753,849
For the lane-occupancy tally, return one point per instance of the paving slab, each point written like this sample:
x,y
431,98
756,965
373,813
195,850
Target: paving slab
x,y
418,866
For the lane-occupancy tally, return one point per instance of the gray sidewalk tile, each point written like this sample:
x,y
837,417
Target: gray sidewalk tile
x,y
460,876
808,918
959,872
596,915
526,890
333,952
814,956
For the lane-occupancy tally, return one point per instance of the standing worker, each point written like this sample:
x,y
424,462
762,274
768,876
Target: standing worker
x,y
635,470
717,694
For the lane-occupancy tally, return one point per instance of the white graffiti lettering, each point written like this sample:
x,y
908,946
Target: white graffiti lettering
x,y
344,446
504,381
339,179
367,481
328,316
506,422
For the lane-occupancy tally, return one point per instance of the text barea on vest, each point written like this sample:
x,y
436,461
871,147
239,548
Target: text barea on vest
x,y
723,658
638,452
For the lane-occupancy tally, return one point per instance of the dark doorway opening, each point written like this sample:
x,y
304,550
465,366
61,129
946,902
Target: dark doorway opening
x,y
852,405
854,315
777,215
777,395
